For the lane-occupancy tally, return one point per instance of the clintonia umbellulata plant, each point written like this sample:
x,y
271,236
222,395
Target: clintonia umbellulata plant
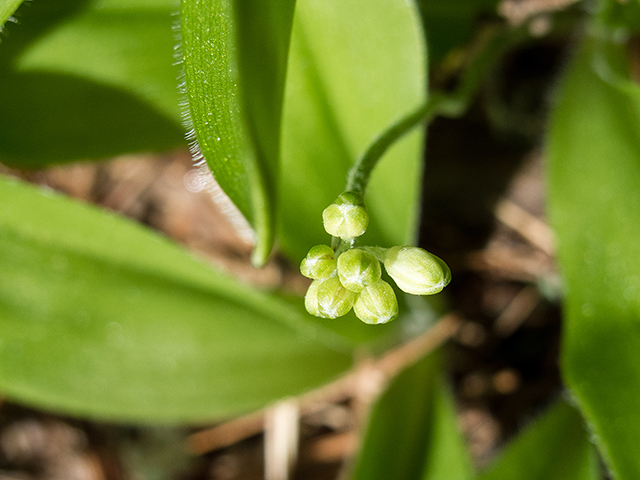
x,y
102,318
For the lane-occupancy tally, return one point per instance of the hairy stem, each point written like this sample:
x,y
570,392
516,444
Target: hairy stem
x,y
492,44
489,47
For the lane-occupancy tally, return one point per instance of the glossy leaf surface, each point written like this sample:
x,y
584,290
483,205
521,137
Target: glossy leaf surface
x,y
101,317
594,161
235,59
84,79
356,67
555,447
412,431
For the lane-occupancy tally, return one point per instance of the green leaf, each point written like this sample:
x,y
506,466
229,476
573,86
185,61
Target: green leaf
x,y
235,59
594,172
555,447
447,457
356,67
101,317
82,79
412,431
7,8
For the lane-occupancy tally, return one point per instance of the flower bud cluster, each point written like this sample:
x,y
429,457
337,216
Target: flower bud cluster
x,y
353,279
353,282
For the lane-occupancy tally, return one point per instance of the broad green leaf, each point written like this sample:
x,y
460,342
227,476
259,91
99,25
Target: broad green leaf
x,y
235,59
412,432
356,67
83,79
554,447
101,317
594,172
7,8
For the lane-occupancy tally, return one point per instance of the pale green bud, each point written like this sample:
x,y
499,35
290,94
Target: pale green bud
x,y
311,298
416,271
376,304
319,263
346,217
357,269
328,298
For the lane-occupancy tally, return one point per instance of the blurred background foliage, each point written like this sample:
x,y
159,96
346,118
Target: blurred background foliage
x,y
124,354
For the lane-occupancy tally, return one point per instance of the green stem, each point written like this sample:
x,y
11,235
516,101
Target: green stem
x,y
493,44
359,175
341,246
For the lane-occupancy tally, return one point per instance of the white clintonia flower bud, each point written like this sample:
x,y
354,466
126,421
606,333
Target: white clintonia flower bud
x,y
346,217
377,304
328,298
357,269
416,271
319,263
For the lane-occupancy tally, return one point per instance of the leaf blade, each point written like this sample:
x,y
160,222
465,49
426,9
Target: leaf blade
x,y
101,318
87,80
7,8
234,64
555,447
412,430
355,68
594,185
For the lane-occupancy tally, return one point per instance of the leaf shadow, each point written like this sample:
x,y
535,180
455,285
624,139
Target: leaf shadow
x,y
53,118
48,117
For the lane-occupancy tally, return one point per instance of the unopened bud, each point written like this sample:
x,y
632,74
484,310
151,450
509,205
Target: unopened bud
x,y
416,271
346,217
311,298
377,304
328,298
357,269
319,263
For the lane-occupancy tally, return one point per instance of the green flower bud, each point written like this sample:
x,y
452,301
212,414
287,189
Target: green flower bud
x,y
346,217
416,271
357,269
319,263
311,298
377,304
328,298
